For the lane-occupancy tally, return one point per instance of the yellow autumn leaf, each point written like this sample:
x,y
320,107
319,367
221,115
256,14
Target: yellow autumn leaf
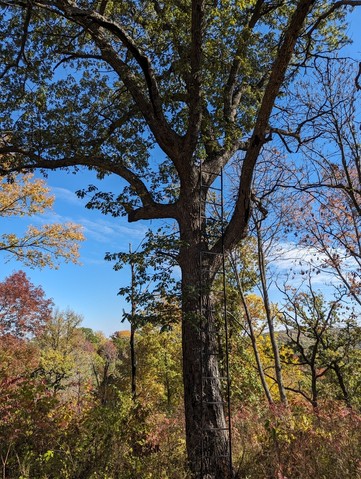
x,y
39,246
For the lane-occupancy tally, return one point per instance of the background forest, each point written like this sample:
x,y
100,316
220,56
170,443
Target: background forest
x,y
68,409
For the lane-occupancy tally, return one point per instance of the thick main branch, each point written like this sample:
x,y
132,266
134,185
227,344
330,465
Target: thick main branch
x,y
150,209
151,104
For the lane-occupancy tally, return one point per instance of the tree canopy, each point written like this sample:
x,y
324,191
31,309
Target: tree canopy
x,y
101,84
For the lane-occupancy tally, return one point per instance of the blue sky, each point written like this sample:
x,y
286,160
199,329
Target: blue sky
x,y
91,289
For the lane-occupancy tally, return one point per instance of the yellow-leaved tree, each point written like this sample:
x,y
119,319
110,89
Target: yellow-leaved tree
x,y
39,246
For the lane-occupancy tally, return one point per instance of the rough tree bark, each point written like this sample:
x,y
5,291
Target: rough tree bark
x,y
205,417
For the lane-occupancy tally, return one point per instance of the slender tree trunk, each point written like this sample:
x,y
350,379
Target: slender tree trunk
x,y
255,350
167,382
267,305
206,427
4,460
252,334
314,390
104,384
133,363
341,382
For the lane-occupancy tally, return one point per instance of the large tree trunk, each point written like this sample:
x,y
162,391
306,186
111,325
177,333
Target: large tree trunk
x,y
206,426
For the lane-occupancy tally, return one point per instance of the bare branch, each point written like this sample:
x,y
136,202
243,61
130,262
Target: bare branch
x,y
73,56
358,87
237,227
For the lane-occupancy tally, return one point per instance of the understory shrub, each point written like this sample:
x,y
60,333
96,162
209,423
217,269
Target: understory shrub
x,y
298,442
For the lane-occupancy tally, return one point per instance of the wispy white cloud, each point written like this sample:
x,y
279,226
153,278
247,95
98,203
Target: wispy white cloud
x,y
106,231
292,261
290,256
51,216
65,195
102,230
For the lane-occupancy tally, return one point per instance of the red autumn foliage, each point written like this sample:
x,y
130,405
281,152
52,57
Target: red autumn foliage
x,y
24,310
